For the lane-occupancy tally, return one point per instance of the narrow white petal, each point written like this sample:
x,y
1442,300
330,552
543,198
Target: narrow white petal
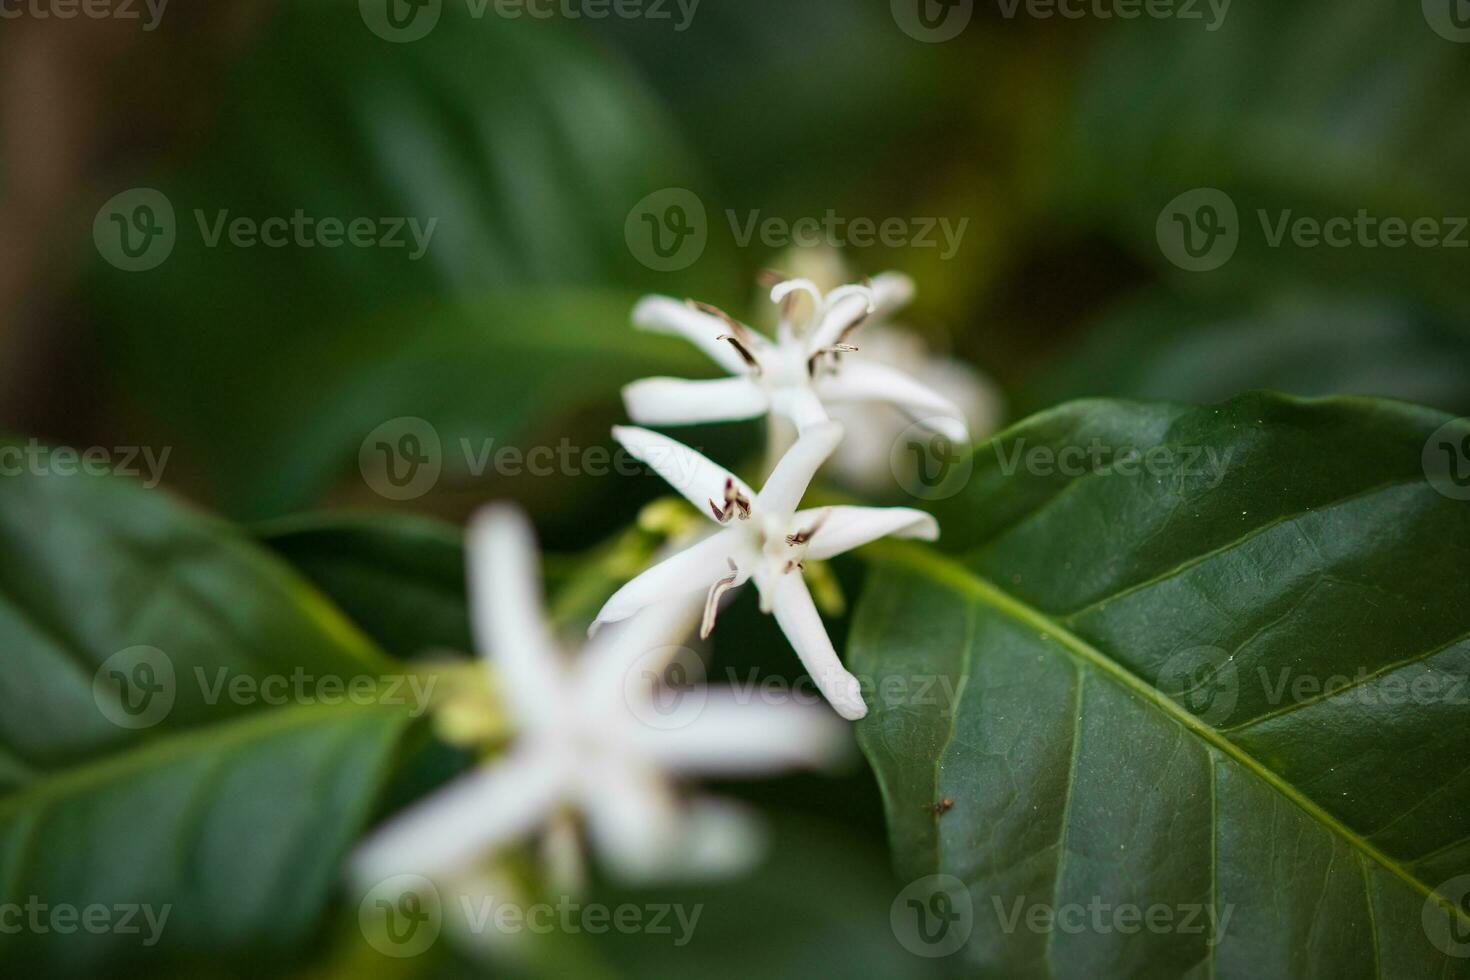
x,y
786,287
845,528
691,571
860,381
686,470
794,473
506,612
484,810
800,404
748,733
797,616
671,401
632,818
660,314
719,838
663,628
892,291
845,306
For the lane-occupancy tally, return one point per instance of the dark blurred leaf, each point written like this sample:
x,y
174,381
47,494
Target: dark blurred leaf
x,y
95,566
400,578
1165,348
142,769
526,145
1114,641
1321,108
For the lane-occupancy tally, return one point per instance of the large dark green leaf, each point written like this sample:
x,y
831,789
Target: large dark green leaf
x,y
1164,347
1239,690
184,724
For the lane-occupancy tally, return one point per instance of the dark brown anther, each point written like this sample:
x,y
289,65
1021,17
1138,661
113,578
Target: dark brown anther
x,y
712,601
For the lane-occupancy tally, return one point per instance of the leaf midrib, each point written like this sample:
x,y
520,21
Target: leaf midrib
x,y
947,572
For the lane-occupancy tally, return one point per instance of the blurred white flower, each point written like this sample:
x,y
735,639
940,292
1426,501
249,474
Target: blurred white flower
x,y
583,745
765,538
796,376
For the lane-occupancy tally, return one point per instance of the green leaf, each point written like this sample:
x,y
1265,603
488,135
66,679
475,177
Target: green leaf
x,y
1161,346
1320,109
1187,688
525,143
184,724
400,578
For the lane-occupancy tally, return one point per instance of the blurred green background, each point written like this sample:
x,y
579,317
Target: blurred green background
x,y
1059,142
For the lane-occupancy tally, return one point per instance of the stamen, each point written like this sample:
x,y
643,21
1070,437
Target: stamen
x,y
735,502
792,566
745,355
736,327
814,363
712,602
770,278
802,537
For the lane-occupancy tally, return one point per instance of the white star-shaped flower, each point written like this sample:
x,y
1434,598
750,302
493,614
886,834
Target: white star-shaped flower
x,y
765,538
794,376
590,738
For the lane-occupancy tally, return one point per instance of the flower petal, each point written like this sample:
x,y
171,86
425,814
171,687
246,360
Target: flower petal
x,y
632,818
719,838
671,401
747,733
504,574
797,616
663,626
858,381
845,306
486,809
661,314
845,528
686,470
691,571
892,291
793,474
800,404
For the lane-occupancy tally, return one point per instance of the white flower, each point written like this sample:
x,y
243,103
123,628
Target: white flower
x,y
793,377
582,744
765,538
864,461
